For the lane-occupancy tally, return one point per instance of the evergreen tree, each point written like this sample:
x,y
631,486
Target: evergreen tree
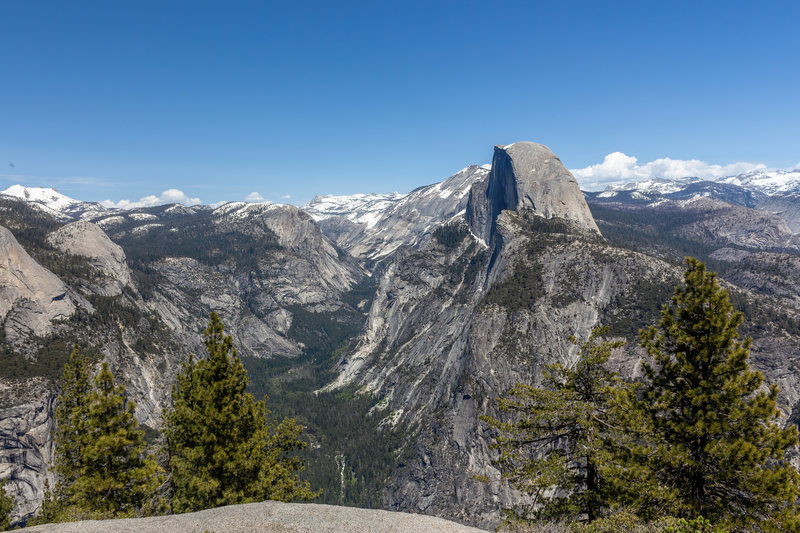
x,y
6,506
116,479
222,449
716,444
71,410
72,406
560,443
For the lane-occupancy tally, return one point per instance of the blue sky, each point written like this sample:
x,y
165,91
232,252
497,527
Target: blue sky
x,y
120,100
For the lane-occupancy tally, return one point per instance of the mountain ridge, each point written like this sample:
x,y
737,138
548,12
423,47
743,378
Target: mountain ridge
x,y
425,307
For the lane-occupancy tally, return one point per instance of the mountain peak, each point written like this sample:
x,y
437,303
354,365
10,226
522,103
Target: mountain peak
x,y
53,202
526,175
41,195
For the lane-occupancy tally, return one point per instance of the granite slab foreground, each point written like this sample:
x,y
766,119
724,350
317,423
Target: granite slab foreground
x,y
270,517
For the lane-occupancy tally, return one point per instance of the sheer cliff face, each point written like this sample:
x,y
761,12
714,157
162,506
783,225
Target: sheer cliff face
x,y
441,343
526,175
446,332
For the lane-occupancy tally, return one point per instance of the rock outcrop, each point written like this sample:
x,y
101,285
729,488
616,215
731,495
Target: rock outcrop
x,y
85,239
25,441
526,175
270,517
31,297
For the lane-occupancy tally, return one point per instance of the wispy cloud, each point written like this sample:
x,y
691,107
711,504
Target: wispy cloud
x,y
286,197
170,196
620,168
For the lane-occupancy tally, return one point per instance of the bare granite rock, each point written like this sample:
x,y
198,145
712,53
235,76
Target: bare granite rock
x,y
31,297
26,448
526,175
107,258
270,517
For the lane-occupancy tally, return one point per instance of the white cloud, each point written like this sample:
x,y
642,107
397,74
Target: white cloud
x,y
256,197
286,197
620,168
170,196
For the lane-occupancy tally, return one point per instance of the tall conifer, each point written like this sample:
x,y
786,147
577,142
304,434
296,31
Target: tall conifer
x,y
71,411
222,450
716,445
72,407
116,478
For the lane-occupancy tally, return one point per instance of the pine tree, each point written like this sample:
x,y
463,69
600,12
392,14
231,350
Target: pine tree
x,y
560,443
222,450
71,411
72,406
6,506
716,443
116,479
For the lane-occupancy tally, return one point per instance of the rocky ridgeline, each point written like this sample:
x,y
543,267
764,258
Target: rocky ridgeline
x,y
404,221
481,279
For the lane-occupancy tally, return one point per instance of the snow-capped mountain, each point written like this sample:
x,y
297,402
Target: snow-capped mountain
x,y
651,186
371,226
769,182
54,203
358,208
774,191
763,181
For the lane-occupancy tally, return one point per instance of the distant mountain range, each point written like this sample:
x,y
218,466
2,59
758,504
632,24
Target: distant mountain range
x,y
367,209
386,323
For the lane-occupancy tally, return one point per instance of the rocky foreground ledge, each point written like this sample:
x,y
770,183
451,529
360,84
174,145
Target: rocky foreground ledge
x,y
270,517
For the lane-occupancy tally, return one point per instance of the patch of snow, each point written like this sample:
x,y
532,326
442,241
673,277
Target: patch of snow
x,y
139,230
458,215
767,181
480,241
359,208
180,209
143,216
110,221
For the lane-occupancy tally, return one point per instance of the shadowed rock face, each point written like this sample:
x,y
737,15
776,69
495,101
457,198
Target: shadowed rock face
x,y
526,175
26,446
